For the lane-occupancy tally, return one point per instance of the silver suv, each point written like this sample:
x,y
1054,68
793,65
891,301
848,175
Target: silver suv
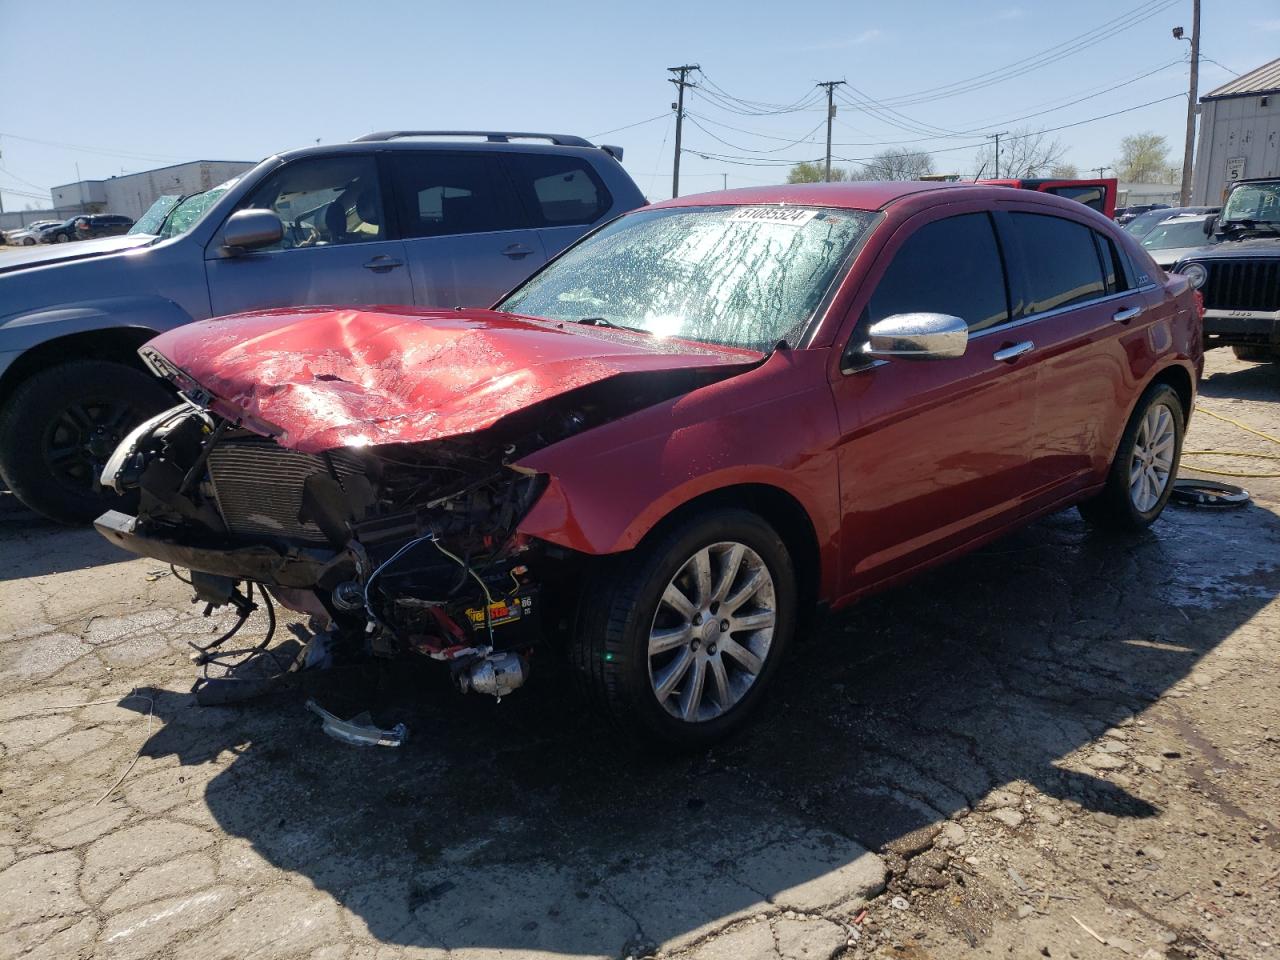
x,y
438,218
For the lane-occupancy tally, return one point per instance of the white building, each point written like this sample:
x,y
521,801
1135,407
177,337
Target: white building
x,y
1239,134
132,193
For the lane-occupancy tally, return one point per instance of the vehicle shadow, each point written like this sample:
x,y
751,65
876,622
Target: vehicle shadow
x,y
525,825
1254,381
50,547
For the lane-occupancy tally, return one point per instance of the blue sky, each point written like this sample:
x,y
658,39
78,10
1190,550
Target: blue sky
x,y
130,85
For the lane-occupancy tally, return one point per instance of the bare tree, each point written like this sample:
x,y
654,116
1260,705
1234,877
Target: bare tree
x,y
896,165
1144,158
1064,171
806,172
1023,153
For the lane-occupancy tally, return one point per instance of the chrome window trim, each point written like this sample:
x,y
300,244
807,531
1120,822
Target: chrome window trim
x,y
1145,288
1021,321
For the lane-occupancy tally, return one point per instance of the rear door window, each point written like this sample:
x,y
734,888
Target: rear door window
x,y
447,194
558,191
1060,259
952,266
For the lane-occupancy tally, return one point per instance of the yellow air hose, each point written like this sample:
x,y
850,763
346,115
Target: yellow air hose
x,y
1233,453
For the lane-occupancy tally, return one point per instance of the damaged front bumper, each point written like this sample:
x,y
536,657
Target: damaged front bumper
x,y
410,549
291,567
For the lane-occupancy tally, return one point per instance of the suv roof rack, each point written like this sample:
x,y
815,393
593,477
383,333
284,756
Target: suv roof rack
x,y
493,136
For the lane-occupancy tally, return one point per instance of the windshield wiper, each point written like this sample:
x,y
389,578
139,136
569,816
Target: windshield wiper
x,y
606,322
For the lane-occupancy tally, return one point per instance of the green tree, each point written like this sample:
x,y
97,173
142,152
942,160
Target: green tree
x,y
1144,158
806,172
1064,171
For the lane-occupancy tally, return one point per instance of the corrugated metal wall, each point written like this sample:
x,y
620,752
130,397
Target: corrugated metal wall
x,y
1240,138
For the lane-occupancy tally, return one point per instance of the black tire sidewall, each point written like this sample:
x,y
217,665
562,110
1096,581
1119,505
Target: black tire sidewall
x,y
1122,501
658,563
25,420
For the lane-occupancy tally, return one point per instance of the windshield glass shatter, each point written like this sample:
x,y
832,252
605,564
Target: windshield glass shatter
x,y
150,222
1255,201
738,276
190,211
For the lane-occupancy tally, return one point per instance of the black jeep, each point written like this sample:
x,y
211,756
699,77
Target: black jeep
x,y
1238,273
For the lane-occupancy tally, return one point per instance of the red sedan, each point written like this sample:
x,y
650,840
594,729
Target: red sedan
x,y
701,422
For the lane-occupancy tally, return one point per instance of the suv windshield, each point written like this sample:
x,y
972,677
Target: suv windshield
x,y
187,213
1253,201
738,276
150,221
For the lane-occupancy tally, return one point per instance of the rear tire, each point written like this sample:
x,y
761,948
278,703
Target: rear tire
x,y
1146,464
1256,354
739,617
60,425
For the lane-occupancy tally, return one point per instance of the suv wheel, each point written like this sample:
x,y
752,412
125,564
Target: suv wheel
x,y
1256,354
61,238
1146,464
678,641
60,425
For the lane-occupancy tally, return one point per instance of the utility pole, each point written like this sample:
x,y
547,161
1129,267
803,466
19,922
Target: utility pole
x,y
725,185
831,113
996,137
681,81
1101,171
1189,149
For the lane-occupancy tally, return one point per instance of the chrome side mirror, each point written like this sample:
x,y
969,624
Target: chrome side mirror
x,y
918,336
250,230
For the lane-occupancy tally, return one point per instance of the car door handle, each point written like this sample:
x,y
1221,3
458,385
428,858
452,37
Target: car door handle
x,y
382,263
1127,314
516,251
1009,354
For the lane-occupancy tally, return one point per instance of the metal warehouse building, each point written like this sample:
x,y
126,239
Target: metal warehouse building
x,y
1239,133
132,193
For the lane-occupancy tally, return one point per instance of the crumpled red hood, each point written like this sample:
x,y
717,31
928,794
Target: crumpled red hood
x,y
317,378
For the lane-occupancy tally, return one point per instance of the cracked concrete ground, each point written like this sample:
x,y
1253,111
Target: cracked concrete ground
x,y
1064,745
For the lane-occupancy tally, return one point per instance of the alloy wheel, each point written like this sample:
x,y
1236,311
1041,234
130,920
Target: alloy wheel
x,y
79,441
712,632
1151,464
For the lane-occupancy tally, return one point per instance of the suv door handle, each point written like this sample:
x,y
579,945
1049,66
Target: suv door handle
x,y
382,263
1010,354
1127,314
516,251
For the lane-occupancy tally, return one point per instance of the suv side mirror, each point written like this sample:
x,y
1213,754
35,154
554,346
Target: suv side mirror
x,y
1210,224
918,336
249,230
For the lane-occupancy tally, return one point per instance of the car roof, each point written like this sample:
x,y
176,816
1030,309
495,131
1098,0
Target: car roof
x,y
862,195
859,195
448,145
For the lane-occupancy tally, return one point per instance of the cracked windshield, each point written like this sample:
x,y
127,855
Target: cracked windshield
x,y
739,276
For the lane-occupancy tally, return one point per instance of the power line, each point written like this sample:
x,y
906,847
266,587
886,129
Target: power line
x,y
1035,61
605,133
1052,106
86,149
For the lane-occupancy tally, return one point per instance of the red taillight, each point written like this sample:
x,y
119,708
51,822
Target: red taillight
x,y
1199,303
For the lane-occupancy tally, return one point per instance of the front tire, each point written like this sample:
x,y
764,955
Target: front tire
x,y
1146,464
60,425
679,640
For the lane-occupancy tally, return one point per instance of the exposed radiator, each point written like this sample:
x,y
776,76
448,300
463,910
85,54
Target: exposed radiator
x,y
1242,285
258,485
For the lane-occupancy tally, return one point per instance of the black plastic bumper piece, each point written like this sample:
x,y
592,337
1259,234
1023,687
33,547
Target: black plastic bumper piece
x,y
294,567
